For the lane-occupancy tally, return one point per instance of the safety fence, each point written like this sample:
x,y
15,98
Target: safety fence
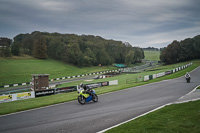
x,y
149,77
153,76
18,96
33,94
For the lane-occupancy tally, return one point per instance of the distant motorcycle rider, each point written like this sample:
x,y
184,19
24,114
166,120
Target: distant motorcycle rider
x,y
188,77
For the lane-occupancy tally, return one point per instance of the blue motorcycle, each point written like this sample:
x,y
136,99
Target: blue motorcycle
x,y
84,97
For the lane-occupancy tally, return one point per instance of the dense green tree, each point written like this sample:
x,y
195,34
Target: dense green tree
x,y
40,47
83,50
5,50
187,49
173,56
17,44
130,58
139,54
196,46
163,55
89,57
15,49
74,54
27,44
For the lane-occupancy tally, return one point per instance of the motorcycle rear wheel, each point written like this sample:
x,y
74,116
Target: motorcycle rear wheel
x,y
95,98
81,99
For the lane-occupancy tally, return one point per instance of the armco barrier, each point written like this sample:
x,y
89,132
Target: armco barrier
x,y
146,78
5,98
65,89
114,82
17,96
33,94
44,92
149,77
168,72
100,84
154,76
160,74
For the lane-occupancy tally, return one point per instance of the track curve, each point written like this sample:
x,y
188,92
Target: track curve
x,y
112,108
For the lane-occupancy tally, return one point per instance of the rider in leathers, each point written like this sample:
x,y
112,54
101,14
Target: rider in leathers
x,y
86,89
187,75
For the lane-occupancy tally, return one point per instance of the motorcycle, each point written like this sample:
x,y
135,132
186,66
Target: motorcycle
x,y
84,97
188,79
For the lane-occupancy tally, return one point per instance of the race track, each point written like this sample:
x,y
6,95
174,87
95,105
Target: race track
x,y
112,108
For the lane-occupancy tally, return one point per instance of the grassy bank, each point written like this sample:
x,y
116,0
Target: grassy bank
x,y
152,55
198,87
177,118
21,105
19,70
122,78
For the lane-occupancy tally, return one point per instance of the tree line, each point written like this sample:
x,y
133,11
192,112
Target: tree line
x,y
184,50
79,50
5,44
150,49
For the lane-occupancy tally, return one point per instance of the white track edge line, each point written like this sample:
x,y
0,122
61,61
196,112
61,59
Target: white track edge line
x,y
133,118
150,112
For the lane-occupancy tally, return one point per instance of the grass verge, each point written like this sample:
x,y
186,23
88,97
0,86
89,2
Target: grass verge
x,y
176,118
152,55
21,105
19,70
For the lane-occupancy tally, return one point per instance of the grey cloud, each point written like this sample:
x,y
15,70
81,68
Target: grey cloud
x,y
143,23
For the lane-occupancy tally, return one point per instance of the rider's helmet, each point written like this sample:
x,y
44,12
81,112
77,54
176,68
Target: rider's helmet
x,y
81,85
85,87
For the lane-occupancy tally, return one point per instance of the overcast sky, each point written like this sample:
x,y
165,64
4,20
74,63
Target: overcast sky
x,y
142,23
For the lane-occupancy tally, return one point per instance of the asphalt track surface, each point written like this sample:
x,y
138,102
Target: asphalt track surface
x,y
112,108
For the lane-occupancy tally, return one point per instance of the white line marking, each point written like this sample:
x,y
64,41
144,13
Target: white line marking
x,y
36,108
133,118
150,111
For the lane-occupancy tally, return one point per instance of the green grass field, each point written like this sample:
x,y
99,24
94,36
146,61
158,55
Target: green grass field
x,y
152,55
20,70
122,78
176,118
